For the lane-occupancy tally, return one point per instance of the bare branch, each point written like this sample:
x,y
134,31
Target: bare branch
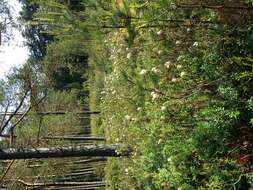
x,y
5,113
24,114
14,113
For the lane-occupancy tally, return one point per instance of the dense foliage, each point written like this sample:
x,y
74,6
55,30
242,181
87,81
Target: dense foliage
x,y
177,87
172,79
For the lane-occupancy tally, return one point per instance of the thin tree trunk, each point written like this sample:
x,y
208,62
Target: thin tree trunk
x,y
90,160
6,171
93,150
78,187
96,183
13,113
52,113
53,176
79,173
83,170
76,138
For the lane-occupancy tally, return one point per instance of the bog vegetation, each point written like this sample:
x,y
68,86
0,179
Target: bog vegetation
x,y
172,79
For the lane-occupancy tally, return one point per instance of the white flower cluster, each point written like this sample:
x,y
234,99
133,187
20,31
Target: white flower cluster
x,y
154,95
163,108
167,64
159,33
143,72
178,42
129,55
182,74
126,171
155,70
174,80
195,44
160,52
179,66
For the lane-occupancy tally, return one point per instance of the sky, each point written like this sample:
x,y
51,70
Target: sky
x,y
15,53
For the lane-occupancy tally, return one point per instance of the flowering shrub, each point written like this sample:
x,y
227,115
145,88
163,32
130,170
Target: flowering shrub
x,y
180,97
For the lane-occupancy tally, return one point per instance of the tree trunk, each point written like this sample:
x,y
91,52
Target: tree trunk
x,y
91,151
52,113
90,160
96,184
71,138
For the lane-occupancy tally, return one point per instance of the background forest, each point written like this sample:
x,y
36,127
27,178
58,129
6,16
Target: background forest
x,y
172,79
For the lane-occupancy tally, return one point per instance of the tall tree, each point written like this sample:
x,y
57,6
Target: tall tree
x,y
37,39
6,21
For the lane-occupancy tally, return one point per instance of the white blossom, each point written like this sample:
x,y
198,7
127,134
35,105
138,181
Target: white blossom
x,y
159,32
163,108
195,44
182,74
160,52
139,109
154,95
179,66
174,80
143,72
167,64
178,42
188,29
180,58
155,70
169,159
112,57
129,55
126,171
